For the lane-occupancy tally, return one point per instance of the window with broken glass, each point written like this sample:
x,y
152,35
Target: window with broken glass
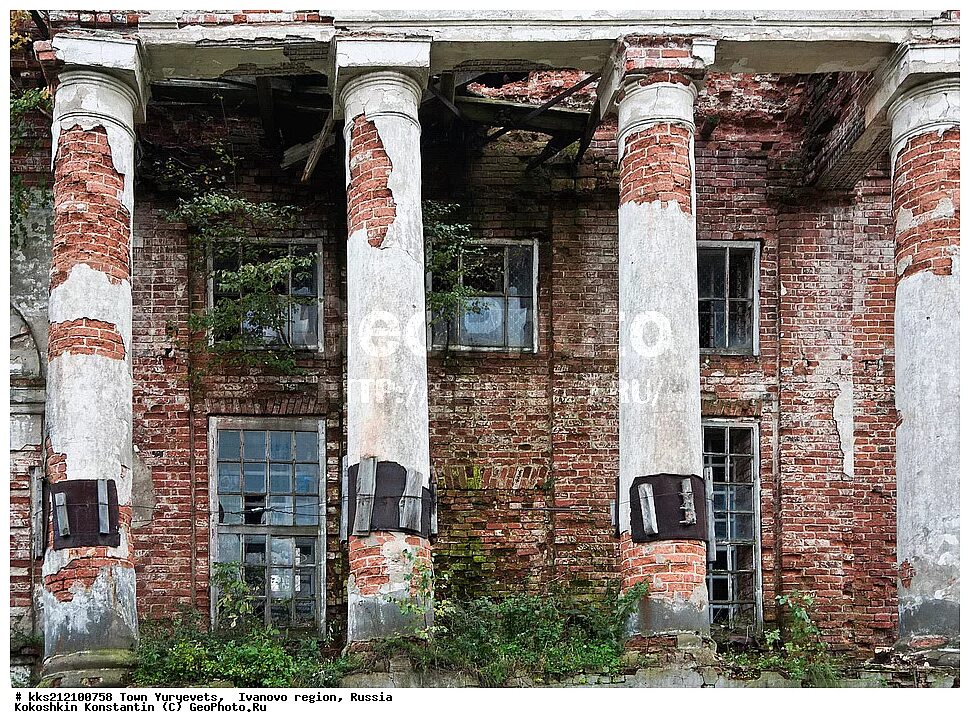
x,y
268,486
732,580
727,306
287,315
502,314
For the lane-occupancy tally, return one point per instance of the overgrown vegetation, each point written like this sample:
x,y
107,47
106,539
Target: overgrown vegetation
x,y
246,325
23,103
546,636
796,649
241,651
452,258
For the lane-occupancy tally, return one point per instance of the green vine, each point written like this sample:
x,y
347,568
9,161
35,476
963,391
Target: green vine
x,y
228,237
451,256
22,105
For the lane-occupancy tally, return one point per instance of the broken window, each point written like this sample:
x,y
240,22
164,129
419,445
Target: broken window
x,y
502,316
295,325
268,488
733,578
727,287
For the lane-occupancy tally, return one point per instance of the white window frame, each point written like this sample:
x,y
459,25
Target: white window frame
x,y
302,424
535,301
755,428
754,245
318,242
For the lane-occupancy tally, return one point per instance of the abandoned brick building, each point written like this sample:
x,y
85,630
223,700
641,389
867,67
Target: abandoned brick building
x,y
705,344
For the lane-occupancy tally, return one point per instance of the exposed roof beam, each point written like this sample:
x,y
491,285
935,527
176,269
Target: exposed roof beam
x,y
502,113
319,144
548,105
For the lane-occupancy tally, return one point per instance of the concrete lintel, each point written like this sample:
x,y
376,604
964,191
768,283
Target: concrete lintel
x,y
911,65
353,57
202,51
115,55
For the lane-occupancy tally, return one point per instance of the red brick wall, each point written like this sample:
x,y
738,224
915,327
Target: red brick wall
x,y
524,445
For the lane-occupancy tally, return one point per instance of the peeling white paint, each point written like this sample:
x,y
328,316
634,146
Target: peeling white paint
x,y
89,416
843,412
929,107
89,293
105,612
659,433
392,425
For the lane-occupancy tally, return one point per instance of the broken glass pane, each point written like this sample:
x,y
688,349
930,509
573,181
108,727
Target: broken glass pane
x,y
304,551
484,323
306,511
254,549
281,510
520,323
230,509
254,510
282,551
520,270
484,269
741,274
710,272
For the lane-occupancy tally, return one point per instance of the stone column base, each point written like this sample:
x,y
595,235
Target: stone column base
x,y
94,669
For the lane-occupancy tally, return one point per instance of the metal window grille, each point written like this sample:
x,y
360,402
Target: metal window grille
x,y
727,303
268,486
733,577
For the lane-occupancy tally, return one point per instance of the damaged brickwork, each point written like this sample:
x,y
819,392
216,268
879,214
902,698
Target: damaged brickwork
x,y
379,562
85,336
926,196
656,166
91,224
370,202
524,445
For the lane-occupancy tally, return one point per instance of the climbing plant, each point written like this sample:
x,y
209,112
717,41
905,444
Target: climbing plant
x,y
246,323
451,258
23,103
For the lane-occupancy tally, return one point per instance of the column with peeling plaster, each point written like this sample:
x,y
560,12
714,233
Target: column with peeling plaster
x,y
660,403
90,621
926,206
387,397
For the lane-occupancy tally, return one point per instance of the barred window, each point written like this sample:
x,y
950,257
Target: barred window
x,y
268,489
727,289
503,316
733,578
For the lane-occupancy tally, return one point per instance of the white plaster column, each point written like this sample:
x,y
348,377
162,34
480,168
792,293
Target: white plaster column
x,y
89,612
387,384
926,203
660,403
